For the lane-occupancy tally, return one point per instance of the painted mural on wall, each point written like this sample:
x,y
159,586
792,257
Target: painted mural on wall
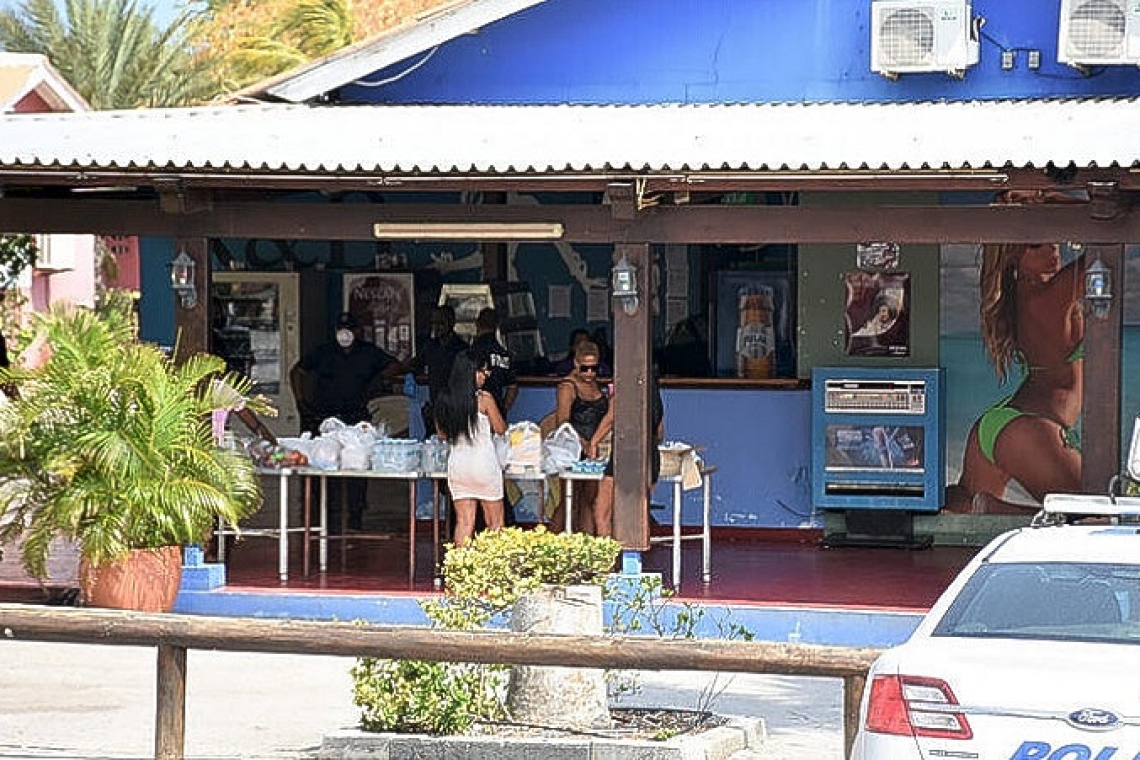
x,y
1024,443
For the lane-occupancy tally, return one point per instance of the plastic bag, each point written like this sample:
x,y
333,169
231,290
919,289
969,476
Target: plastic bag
x,y
563,448
525,440
356,445
324,453
502,449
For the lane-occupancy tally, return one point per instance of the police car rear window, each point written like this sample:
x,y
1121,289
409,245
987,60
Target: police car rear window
x,y
1066,601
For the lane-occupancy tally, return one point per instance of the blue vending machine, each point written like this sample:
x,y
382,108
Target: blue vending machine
x,y
877,451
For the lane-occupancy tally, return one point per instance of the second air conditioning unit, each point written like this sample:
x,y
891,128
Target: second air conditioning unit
x,y
1099,32
913,37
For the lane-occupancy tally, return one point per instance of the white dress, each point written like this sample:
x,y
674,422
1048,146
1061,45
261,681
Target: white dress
x,y
473,470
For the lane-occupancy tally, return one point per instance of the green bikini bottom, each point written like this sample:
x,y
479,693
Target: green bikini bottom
x,y
997,417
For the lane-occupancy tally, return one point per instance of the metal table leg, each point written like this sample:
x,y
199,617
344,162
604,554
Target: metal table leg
x,y
677,534
706,535
411,531
324,534
569,505
283,532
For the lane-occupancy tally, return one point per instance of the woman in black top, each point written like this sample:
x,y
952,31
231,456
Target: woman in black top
x,y
582,401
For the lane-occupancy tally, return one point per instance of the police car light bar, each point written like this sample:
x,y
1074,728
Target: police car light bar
x,y
1088,505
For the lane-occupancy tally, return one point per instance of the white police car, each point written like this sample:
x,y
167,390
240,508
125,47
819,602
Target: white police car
x,y
1032,653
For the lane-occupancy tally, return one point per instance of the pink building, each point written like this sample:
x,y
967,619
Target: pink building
x,y
65,270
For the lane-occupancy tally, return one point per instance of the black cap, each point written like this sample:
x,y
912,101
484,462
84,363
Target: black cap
x,y
346,320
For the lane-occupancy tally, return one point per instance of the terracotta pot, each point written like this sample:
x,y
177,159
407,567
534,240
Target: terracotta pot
x,y
146,581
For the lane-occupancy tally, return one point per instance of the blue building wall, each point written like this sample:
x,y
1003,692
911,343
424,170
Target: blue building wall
x,y
689,51
723,51
759,441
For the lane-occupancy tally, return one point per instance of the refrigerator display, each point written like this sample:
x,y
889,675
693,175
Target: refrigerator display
x,y
259,331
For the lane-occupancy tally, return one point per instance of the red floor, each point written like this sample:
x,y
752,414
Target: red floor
x,y
742,571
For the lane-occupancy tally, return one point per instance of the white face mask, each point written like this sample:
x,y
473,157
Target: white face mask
x,y
344,338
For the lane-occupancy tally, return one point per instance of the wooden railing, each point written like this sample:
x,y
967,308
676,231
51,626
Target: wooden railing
x,y
173,635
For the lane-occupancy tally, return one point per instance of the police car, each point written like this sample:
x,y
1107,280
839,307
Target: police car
x,y
1032,653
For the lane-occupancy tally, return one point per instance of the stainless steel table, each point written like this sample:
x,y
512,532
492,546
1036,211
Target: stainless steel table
x,y
283,530
569,477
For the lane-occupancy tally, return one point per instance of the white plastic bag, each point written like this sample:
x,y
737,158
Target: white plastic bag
x,y
563,448
525,440
324,453
502,449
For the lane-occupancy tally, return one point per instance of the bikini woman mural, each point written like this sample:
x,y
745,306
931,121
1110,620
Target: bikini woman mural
x,y
1033,328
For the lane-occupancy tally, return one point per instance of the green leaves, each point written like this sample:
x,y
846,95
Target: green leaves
x,y
109,444
112,51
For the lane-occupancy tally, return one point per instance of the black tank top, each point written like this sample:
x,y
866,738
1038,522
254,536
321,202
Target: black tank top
x,y
585,416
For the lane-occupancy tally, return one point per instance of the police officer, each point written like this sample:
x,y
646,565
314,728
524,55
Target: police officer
x,y
337,379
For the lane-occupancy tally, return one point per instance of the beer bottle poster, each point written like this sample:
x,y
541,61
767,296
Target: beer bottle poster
x,y
877,313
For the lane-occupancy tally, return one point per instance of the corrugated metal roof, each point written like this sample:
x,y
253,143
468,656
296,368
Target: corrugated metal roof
x,y
297,139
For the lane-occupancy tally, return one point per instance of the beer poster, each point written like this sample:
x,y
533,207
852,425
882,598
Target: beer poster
x,y
877,313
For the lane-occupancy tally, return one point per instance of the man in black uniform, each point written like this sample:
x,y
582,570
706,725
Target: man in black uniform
x,y
337,379
436,356
501,382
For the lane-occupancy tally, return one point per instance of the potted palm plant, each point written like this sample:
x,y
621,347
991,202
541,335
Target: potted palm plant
x,y
109,444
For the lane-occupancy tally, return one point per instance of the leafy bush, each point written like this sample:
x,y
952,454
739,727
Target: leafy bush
x,y
482,580
109,444
414,696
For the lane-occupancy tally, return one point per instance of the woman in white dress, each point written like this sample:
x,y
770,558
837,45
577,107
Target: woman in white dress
x,y
466,416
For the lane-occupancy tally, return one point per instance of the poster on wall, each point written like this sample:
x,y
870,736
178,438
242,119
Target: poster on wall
x,y
1015,393
877,315
383,305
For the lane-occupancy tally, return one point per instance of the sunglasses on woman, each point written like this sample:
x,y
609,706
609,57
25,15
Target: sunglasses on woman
x,y
587,367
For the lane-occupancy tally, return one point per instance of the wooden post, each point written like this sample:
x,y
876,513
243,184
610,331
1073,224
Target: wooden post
x,y
170,708
852,694
1100,405
632,343
192,325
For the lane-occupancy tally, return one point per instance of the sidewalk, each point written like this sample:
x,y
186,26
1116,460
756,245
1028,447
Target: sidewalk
x,y
97,701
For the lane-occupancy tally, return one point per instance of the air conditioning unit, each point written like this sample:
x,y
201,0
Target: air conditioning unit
x,y
1099,32
932,36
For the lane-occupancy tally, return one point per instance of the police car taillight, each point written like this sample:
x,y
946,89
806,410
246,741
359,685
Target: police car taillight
x,y
915,706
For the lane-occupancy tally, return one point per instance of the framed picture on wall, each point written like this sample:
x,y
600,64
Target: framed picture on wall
x,y
877,318
383,304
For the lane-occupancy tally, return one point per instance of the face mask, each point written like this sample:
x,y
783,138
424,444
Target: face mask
x,y
344,338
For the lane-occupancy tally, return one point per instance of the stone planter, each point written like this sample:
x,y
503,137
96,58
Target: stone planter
x,y
553,696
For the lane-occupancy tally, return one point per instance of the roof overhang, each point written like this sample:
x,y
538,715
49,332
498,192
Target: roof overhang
x,y
934,146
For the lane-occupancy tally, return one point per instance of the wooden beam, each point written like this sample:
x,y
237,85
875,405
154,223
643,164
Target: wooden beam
x,y
780,181
633,338
192,324
1101,401
692,224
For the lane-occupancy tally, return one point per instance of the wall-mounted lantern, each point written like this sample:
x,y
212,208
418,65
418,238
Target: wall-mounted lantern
x,y
182,279
624,285
1098,289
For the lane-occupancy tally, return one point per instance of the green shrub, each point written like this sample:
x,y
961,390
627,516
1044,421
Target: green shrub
x,y
481,580
414,696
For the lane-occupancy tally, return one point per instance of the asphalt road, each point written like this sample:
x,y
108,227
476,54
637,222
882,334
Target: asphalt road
x,y
94,701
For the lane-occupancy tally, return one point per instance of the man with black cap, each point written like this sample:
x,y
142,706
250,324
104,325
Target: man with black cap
x,y
337,379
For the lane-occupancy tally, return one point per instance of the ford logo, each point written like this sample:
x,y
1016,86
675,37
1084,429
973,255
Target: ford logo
x,y
1094,719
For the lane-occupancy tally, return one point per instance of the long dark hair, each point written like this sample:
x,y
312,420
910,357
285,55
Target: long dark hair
x,y
456,409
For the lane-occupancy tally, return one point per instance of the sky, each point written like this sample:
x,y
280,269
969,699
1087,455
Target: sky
x,y
164,10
